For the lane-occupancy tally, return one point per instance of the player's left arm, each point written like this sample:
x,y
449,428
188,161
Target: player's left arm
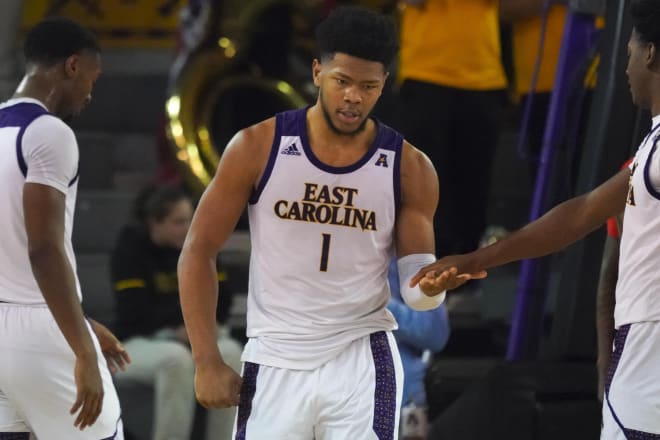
x,y
114,352
419,200
415,238
605,302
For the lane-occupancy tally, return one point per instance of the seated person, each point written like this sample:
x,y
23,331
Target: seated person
x,y
420,334
148,314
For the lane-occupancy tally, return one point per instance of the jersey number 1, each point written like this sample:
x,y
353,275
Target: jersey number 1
x,y
325,250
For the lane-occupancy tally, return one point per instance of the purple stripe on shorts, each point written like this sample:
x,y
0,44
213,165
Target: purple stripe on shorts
x,y
619,342
385,392
248,388
14,436
631,434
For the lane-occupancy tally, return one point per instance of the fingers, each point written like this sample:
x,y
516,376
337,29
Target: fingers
x,y
432,284
218,391
418,277
473,276
480,275
121,357
90,405
117,358
77,404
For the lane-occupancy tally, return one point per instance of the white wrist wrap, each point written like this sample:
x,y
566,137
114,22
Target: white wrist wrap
x,y
414,297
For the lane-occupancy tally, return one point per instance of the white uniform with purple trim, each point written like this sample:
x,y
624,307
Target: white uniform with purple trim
x,y
632,406
37,387
321,362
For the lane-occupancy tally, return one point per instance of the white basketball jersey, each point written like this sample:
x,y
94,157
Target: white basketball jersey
x,y
638,286
40,148
322,239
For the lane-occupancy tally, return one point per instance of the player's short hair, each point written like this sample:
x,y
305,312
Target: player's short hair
x,y
55,39
358,32
646,19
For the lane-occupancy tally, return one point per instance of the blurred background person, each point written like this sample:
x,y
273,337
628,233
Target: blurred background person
x,y
453,88
148,315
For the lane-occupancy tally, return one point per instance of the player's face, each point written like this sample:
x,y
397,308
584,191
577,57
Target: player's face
x,y
640,58
82,71
349,88
172,229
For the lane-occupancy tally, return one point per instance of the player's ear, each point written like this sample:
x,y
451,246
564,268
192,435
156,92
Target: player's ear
x,y
651,54
317,67
72,65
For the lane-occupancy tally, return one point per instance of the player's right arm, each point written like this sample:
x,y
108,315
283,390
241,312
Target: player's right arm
x,y
54,162
216,216
559,227
605,302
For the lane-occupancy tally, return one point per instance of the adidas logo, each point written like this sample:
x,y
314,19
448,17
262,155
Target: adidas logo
x,y
291,150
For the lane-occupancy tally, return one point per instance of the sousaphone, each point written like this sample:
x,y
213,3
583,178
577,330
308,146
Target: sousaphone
x,y
246,61
250,62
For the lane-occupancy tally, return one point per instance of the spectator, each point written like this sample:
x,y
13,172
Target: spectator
x,y
452,91
149,319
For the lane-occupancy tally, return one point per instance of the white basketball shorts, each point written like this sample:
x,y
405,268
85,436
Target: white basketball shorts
x,y
356,395
631,407
37,387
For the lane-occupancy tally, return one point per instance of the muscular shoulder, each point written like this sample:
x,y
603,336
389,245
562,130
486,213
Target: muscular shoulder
x,y
418,175
251,147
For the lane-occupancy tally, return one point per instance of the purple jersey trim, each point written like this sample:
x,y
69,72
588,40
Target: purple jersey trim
x,y
279,121
397,173
650,133
21,115
383,135
647,172
647,180
385,390
248,389
14,436
75,178
293,123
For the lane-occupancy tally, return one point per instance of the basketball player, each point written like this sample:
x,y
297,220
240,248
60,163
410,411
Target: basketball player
x,y
331,193
631,407
54,382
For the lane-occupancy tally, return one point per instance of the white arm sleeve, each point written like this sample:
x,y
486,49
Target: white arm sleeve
x,y
50,152
414,297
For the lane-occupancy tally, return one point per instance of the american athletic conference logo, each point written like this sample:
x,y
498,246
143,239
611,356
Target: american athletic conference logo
x,y
291,150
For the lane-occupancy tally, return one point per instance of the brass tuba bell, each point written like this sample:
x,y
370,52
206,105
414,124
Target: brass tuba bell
x,y
247,60
250,61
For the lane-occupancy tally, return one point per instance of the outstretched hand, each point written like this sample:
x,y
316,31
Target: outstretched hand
x,y
448,273
113,350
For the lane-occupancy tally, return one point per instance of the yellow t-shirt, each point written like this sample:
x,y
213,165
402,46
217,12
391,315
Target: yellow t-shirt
x,y
455,43
526,34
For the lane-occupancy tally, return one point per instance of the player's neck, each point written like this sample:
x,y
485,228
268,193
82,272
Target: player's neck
x,y
39,88
655,108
